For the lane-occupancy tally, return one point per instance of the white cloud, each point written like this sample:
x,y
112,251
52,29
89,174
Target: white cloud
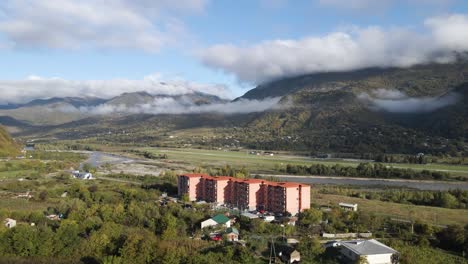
x,y
450,32
381,5
356,4
342,51
73,24
34,87
397,102
172,106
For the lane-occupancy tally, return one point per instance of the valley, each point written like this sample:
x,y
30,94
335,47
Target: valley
x,y
368,137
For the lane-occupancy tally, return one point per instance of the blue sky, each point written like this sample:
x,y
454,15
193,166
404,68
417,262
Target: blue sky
x,y
216,42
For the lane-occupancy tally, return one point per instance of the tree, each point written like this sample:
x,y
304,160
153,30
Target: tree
x,y
138,247
89,168
67,238
310,217
169,226
311,249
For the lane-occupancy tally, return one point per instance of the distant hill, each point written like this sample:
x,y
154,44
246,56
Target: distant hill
x,y
8,146
56,111
395,110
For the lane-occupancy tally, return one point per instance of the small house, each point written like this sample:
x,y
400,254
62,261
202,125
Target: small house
x,y
371,250
10,223
217,220
232,234
290,255
348,206
82,175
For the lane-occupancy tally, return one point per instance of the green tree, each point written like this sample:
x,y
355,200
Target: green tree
x,y
310,217
169,227
311,249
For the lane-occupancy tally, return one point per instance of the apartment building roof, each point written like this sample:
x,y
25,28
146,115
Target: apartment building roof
x,y
248,181
284,184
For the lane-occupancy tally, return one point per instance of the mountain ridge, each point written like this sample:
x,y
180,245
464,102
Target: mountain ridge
x,y
352,113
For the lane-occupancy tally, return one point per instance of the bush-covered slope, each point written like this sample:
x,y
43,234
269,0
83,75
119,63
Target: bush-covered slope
x,y
8,146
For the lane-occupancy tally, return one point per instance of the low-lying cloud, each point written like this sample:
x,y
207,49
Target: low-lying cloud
x,y
34,87
350,49
170,105
397,102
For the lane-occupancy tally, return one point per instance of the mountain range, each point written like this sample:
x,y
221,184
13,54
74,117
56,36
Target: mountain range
x,y
55,111
379,110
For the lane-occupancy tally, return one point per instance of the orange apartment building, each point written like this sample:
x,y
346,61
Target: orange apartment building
x,y
246,194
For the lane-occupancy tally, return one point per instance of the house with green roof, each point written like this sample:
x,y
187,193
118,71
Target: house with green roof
x,y
219,219
232,234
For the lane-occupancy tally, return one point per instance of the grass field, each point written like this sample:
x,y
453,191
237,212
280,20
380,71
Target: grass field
x,y
20,204
434,215
14,174
267,164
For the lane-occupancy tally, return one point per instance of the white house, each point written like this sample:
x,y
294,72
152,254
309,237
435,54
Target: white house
x,y
9,223
348,206
82,175
217,220
371,250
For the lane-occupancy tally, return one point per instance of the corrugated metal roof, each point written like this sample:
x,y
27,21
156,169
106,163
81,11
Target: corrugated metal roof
x,y
367,247
220,219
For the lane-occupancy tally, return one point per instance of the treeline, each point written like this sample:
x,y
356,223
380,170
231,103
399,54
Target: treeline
x,y
368,170
149,154
411,159
34,166
455,199
226,170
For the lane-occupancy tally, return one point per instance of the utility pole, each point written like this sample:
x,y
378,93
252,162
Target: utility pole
x,y
272,252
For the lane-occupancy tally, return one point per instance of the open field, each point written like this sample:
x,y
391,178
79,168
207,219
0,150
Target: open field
x,y
14,174
267,164
20,204
433,215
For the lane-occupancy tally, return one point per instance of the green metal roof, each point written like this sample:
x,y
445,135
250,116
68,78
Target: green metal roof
x,y
220,219
232,230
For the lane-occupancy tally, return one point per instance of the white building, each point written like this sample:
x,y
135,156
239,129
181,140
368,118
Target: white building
x,y
348,206
82,175
371,250
9,223
217,220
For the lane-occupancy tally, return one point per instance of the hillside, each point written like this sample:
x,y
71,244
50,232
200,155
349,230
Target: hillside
x,y
412,110
8,146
